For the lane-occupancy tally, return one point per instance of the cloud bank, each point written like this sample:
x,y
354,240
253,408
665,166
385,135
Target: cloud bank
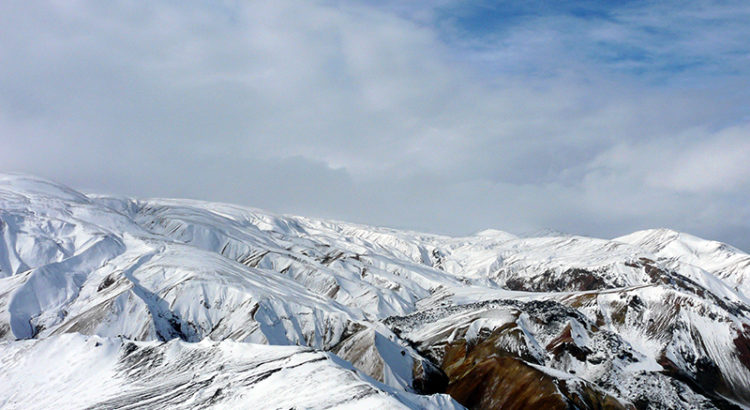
x,y
584,118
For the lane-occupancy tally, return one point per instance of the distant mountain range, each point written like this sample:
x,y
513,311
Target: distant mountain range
x,y
109,302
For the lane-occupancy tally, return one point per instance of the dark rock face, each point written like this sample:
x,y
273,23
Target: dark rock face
x,y
428,378
568,280
483,378
564,344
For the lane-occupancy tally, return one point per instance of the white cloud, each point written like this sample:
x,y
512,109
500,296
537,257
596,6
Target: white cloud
x,y
696,161
355,112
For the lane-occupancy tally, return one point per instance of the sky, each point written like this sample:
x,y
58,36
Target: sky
x,y
588,117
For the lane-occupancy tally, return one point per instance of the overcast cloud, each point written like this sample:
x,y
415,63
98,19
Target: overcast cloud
x,y
439,116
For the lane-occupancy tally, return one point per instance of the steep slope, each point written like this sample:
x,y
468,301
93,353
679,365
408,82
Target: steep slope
x,y
82,266
719,259
105,275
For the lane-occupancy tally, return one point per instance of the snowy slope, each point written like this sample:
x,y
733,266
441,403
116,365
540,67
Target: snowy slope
x,y
655,317
74,371
719,259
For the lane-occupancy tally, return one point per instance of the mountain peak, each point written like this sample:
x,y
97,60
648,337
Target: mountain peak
x,y
106,281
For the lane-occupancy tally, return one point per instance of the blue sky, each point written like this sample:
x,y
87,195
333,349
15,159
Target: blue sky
x,y
596,118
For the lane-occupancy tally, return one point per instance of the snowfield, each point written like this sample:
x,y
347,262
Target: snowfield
x,y
110,302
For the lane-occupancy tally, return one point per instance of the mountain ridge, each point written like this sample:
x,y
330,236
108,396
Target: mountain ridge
x,y
597,319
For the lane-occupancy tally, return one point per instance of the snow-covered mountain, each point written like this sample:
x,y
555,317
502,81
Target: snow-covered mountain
x,y
112,302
